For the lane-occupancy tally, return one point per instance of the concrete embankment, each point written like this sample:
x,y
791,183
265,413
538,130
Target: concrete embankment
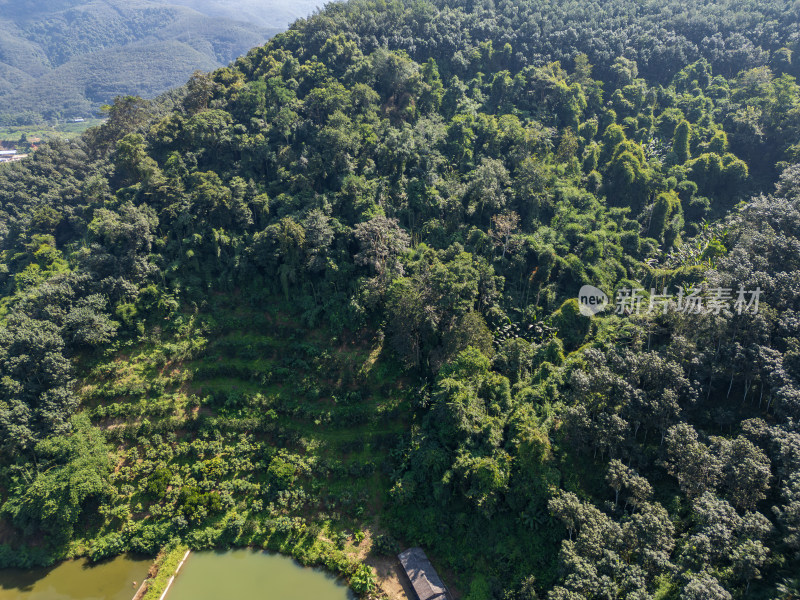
x,y
162,574
171,579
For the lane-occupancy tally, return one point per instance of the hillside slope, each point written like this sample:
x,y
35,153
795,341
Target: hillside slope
x,y
328,296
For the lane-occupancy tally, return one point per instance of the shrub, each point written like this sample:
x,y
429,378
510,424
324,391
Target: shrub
x,y
385,545
363,580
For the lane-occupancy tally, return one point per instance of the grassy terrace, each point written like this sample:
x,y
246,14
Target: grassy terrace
x,y
247,429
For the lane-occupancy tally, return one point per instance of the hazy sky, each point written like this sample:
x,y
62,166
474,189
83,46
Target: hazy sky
x,y
269,13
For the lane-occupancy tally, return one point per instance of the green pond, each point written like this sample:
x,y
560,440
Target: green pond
x,y
76,580
252,575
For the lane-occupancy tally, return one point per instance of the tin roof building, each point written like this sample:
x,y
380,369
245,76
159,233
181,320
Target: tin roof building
x,y
424,579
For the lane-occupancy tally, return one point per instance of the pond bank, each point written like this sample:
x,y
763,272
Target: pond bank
x,y
178,570
162,573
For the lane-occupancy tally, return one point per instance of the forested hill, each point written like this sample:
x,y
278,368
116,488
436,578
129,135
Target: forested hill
x,y
65,58
325,301
661,37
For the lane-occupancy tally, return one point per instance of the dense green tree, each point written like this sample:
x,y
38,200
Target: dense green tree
x,y
70,475
681,141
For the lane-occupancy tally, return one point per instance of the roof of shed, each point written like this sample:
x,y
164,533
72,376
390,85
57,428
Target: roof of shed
x,y
426,582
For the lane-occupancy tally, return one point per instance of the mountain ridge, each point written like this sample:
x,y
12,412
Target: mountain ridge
x,y
64,59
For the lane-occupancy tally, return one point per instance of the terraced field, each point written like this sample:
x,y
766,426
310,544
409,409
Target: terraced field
x,y
250,426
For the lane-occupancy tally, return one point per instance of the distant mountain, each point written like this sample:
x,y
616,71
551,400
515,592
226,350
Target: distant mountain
x,y
65,58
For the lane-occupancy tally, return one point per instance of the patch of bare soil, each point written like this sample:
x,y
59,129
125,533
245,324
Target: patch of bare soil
x,y
391,578
117,422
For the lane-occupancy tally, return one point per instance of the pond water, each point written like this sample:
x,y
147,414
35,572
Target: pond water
x,y
76,580
252,575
